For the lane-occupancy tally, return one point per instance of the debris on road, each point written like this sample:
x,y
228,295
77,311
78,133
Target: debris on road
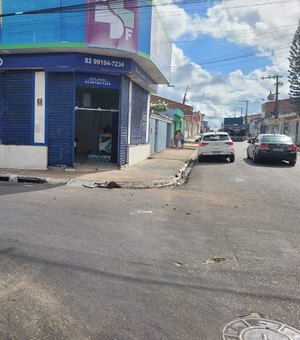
x,y
214,260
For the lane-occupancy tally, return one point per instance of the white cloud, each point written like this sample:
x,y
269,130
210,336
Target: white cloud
x,y
260,27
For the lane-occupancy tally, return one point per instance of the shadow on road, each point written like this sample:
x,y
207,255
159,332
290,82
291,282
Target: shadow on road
x,y
140,279
9,188
213,160
268,164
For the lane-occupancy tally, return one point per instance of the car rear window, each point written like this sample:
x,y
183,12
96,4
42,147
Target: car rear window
x,y
215,137
276,139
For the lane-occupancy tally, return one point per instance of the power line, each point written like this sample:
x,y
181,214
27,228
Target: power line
x,y
222,60
67,8
82,6
279,30
261,4
89,7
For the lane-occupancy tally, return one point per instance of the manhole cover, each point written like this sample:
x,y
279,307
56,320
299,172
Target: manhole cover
x,y
259,329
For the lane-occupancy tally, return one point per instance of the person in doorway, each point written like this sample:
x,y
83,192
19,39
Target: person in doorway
x,y
177,138
182,140
105,141
107,132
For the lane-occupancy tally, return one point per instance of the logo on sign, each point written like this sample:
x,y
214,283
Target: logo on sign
x,y
119,19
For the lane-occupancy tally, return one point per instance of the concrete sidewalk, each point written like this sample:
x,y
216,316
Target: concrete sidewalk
x,y
167,168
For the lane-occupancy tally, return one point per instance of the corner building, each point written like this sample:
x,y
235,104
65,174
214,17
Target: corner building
x,y
75,80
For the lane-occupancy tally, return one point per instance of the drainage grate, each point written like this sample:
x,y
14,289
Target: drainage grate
x,y
31,180
258,328
4,178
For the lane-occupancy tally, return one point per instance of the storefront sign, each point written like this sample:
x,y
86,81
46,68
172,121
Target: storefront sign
x,y
113,24
70,62
65,60
89,80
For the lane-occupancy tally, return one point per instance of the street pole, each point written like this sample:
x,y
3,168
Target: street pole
x,y
246,112
276,106
238,108
184,97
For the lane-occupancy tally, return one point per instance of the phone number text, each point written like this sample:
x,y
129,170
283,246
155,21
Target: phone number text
x,y
104,62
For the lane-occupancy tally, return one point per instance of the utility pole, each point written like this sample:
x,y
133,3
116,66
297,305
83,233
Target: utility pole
x,y
238,108
246,112
184,97
276,108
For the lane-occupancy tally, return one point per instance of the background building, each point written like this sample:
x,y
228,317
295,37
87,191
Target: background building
x,y
184,117
286,123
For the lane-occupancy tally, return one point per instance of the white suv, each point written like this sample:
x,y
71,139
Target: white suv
x,y
216,144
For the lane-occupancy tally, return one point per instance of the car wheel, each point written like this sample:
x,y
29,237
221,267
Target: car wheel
x,y
292,163
200,158
255,158
231,158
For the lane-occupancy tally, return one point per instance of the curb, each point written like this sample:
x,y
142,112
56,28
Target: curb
x,y
179,178
32,179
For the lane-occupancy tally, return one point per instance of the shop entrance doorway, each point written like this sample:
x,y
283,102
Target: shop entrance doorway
x,y
96,125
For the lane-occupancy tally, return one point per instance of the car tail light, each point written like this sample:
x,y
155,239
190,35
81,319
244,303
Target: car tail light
x,y
229,143
264,147
203,144
292,147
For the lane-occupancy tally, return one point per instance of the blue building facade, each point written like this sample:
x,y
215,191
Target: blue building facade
x,y
75,79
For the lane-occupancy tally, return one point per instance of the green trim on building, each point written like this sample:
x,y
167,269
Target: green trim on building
x,y
143,54
178,119
179,113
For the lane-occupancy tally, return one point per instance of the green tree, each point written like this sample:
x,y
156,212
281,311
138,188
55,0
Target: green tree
x,y
294,71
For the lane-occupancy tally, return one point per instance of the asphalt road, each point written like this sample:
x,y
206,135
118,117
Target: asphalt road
x,y
179,263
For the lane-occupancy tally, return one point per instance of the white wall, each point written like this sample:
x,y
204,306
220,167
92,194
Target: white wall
x,y
39,108
137,153
23,157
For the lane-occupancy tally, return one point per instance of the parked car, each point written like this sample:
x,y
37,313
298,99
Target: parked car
x,y
272,147
217,144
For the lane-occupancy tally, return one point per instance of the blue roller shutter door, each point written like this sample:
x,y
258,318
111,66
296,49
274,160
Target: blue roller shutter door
x,y
138,115
124,110
60,111
3,117
16,107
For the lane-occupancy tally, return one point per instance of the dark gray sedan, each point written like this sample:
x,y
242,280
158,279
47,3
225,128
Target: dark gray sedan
x,y
272,147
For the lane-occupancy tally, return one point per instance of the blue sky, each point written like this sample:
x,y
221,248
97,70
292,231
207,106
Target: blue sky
x,y
221,49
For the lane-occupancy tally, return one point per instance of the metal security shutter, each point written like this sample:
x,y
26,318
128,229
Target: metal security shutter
x,y
3,118
161,136
20,96
60,110
124,109
138,115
